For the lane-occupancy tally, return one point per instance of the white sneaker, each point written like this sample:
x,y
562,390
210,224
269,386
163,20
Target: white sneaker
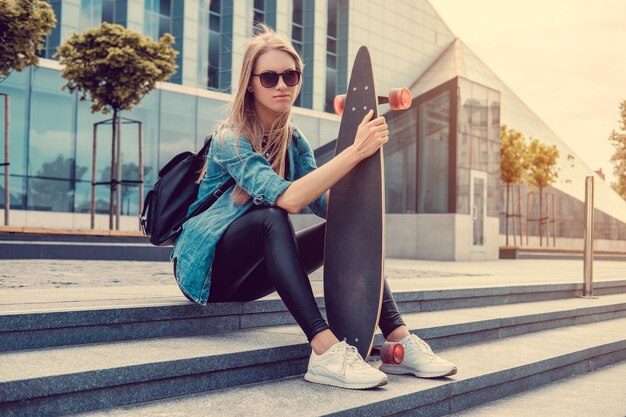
x,y
342,366
419,360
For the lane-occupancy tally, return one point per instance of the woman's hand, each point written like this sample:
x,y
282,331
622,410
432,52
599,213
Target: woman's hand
x,y
370,135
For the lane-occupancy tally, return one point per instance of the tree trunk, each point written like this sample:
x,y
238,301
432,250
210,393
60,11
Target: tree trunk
x,y
113,170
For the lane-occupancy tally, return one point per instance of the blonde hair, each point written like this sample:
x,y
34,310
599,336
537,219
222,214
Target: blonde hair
x,y
243,120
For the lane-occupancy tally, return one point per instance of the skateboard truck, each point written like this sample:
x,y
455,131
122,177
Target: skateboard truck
x,y
390,352
398,99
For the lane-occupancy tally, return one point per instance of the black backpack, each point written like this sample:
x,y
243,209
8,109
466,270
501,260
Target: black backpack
x,y
166,204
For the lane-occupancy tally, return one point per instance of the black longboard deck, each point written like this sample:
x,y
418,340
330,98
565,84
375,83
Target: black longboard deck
x,y
354,247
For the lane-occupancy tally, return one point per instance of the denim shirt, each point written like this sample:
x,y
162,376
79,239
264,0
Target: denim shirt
x,y
234,157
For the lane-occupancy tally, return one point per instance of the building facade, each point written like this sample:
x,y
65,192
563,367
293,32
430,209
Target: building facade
x,y
443,196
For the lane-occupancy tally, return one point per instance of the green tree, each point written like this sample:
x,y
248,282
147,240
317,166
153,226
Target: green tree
x,y
513,163
116,67
618,140
542,172
24,25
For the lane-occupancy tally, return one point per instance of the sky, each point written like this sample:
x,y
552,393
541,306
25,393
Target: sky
x,y
564,58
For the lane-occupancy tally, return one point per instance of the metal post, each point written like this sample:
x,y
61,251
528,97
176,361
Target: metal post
x,y
7,193
527,214
519,206
588,241
553,220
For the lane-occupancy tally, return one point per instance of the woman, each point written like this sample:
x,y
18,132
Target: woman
x,y
244,247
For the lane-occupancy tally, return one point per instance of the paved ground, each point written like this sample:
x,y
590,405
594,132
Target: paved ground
x,y
35,285
35,273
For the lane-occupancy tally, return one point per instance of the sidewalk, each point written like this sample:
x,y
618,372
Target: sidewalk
x,y
35,285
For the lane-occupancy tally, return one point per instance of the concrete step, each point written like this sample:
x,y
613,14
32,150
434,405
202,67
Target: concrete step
x,y
24,325
54,381
558,253
487,371
598,393
47,235
89,249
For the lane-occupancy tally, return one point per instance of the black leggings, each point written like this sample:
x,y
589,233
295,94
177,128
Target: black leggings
x,y
260,253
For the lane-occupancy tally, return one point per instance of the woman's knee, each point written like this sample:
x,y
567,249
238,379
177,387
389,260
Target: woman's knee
x,y
275,217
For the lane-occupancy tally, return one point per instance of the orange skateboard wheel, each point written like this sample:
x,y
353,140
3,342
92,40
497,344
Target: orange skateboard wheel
x,y
392,353
399,99
339,103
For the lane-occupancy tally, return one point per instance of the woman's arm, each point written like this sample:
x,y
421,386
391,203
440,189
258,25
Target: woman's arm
x,y
370,136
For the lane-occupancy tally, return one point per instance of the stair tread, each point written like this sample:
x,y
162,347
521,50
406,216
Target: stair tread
x,y
67,299
481,365
599,393
22,365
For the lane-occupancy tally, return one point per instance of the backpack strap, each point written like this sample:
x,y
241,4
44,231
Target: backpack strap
x,y
209,201
205,148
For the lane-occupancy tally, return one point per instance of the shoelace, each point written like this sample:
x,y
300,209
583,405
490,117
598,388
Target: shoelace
x,y
350,356
423,346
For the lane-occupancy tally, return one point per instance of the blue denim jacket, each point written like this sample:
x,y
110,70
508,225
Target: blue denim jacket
x,y
234,157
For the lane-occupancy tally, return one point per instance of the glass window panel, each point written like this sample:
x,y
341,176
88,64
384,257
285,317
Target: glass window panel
x,y
297,12
17,191
298,47
463,190
209,113
50,195
478,238
331,61
165,7
108,10
165,25
331,80
297,33
331,45
493,190
215,6
400,158
147,112
90,14
16,86
214,23
84,149
51,125
214,62
259,17
177,125
434,130
332,18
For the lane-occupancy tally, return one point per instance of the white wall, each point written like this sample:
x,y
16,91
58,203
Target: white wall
x,y
442,237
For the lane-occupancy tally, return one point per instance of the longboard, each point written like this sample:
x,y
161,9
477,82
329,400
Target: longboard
x,y
354,249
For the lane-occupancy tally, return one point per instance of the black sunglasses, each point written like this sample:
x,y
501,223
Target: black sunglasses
x,y
269,79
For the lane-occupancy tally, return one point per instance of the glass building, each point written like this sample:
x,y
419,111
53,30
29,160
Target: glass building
x,y
444,198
